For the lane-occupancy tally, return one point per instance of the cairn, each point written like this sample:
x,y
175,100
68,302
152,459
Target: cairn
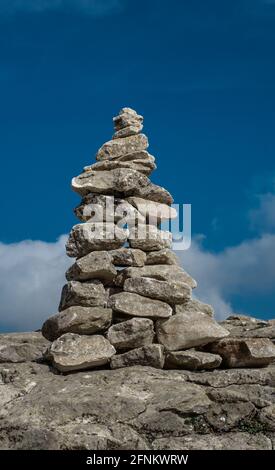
x,y
127,301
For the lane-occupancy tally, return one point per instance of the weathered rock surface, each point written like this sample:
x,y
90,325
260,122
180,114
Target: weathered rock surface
x,y
95,265
88,237
22,347
249,327
117,147
194,305
77,352
128,257
135,408
127,117
158,272
170,292
183,331
192,360
80,320
244,352
138,306
153,212
85,294
145,166
132,333
149,239
150,355
164,256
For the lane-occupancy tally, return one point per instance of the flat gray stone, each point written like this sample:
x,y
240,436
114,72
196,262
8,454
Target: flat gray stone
x,y
21,347
88,237
127,131
85,294
79,320
170,292
74,352
117,147
138,306
192,360
159,272
184,331
194,305
143,166
149,238
151,355
165,256
95,265
244,352
128,257
154,212
132,333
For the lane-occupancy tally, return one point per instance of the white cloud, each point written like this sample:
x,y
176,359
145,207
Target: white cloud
x,y
263,217
31,278
247,269
91,7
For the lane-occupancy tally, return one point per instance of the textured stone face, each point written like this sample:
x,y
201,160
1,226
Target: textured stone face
x,y
79,320
149,239
151,355
158,272
95,265
127,118
132,333
88,237
117,147
145,166
85,294
192,360
138,306
170,292
153,211
21,347
244,352
128,257
74,352
183,331
194,305
164,256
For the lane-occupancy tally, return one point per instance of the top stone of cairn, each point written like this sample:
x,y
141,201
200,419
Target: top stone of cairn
x,y
127,123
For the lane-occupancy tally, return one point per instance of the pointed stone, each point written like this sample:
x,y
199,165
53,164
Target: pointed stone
x,y
151,355
132,333
79,320
117,147
184,331
170,292
138,306
88,237
74,352
165,256
85,294
95,265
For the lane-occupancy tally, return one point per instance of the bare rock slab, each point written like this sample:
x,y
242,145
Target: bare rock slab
x,y
138,306
151,355
88,237
184,331
74,352
79,320
85,294
95,265
192,360
170,292
244,352
194,305
132,333
22,347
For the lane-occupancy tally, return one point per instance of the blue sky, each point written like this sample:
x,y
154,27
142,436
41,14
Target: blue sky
x,y
202,74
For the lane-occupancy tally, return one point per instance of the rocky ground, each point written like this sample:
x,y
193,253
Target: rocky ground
x,y
134,407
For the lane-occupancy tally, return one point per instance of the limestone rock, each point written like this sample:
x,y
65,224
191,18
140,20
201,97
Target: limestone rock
x,y
164,256
154,212
21,347
127,117
149,238
249,327
79,320
117,147
143,166
88,237
153,192
74,352
170,292
151,355
138,306
85,294
128,257
159,272
194,305
95,265
128,130
132,333
244,352
184,331
192,360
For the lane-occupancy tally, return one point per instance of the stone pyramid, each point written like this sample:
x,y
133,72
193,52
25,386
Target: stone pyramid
x,y
127,301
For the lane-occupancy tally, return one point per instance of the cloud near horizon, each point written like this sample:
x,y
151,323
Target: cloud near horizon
x,y
89,7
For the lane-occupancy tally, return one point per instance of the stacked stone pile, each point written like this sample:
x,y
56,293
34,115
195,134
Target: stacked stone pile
x,y
127,301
